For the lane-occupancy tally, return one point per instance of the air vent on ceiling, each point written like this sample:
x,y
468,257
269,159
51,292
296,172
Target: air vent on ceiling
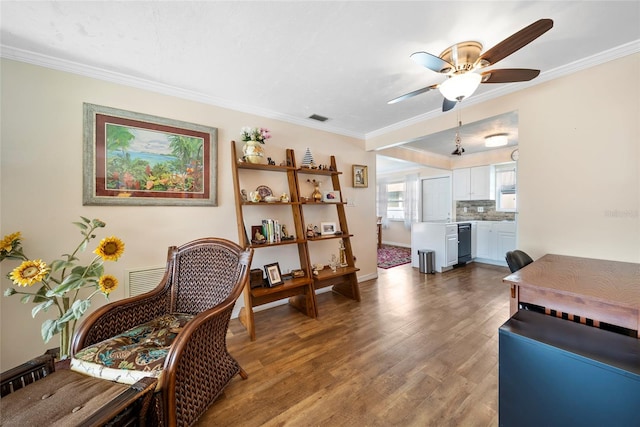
x,y
318,118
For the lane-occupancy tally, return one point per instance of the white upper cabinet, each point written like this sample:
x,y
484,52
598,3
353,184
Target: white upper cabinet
x,y
462,184
474,183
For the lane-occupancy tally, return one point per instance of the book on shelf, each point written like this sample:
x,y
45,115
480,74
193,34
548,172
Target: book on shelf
x,y
271,230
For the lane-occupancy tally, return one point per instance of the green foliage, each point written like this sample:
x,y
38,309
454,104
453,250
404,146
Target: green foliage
x,y
61,281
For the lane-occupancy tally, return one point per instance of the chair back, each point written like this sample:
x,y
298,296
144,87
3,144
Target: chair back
x,y
207,272
517,259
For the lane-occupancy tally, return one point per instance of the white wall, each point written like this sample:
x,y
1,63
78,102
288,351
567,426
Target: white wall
x,y
41,183
578,179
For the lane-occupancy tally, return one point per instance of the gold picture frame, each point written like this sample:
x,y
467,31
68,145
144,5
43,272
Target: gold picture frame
x,y
360,176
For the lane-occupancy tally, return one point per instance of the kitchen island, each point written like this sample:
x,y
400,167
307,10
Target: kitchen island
x,y
440,237
490,241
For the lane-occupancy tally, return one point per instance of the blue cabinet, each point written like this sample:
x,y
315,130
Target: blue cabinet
x,y
554,372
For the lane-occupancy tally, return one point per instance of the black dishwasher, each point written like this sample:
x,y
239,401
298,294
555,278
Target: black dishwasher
x,y
464,242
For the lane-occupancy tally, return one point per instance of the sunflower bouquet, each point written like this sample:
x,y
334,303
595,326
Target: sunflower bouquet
x,y
63,280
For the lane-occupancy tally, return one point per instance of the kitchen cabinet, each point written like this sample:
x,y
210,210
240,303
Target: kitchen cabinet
x,y
440,237
506,241
484,234
493,240
462,184
476,183
451,250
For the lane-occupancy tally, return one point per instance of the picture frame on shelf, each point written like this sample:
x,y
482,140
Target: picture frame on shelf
x,y
331,196
257,230
274,276
327,228
111,135
360,176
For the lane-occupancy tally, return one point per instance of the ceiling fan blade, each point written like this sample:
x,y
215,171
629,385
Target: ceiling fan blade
x,y
431,62
509,75
448,105
515,42
412,94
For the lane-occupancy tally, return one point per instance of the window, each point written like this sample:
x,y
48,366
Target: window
x,y
506,196
395,200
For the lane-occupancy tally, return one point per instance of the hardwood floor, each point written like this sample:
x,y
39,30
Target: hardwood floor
x,y
418,350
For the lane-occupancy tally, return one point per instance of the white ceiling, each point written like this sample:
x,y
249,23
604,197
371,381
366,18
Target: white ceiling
x,y
290,59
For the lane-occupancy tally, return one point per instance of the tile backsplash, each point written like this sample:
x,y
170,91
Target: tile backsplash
x,y
489,211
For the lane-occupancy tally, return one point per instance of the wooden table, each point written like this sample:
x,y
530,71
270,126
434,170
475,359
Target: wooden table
x,y
34,393
604,291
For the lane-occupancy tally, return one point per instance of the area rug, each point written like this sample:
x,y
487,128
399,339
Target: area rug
x,y
392,256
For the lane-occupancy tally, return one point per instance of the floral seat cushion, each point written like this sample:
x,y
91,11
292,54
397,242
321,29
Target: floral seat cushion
x,y
137,353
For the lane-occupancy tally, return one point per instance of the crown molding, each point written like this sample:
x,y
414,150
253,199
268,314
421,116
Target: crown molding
x,y
164,89
139,83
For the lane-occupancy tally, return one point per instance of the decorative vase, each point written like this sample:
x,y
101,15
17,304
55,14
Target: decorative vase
x,y
253,152
316,195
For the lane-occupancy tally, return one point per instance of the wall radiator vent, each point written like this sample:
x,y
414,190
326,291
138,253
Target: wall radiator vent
x,y
142,280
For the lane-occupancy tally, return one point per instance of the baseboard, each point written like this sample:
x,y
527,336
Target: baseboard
x,y
366,277
491,261
402,245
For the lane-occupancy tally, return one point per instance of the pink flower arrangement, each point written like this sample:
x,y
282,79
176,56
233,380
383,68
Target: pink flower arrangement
x,y
255,134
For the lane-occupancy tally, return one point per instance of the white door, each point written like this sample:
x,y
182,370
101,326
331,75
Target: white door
x,y
436,199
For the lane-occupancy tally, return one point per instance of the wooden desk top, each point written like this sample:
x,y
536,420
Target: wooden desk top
x,y
607,281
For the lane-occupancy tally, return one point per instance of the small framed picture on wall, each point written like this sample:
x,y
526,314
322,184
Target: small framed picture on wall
x,y
360,176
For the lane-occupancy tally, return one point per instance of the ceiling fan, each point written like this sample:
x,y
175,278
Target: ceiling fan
x,y
461,61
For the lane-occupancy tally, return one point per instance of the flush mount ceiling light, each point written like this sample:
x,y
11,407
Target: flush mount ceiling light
x,y
460,86
496,140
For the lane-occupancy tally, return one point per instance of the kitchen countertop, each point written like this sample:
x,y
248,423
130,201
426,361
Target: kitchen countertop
x,y
465,221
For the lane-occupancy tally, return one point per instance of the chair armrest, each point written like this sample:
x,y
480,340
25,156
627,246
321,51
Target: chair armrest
x,y
116,317
196,363
198,359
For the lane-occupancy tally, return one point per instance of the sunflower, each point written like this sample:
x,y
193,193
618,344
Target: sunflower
x,y
7,244
110,248
29,272
107,283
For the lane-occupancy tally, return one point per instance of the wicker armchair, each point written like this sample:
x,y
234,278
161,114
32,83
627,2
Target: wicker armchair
x,y
203,278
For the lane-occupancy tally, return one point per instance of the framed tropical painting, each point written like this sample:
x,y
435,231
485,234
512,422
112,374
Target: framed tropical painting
x,y
137,159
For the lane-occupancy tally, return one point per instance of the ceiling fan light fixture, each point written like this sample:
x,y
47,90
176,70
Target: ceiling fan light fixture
x,y
496,140
460,86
